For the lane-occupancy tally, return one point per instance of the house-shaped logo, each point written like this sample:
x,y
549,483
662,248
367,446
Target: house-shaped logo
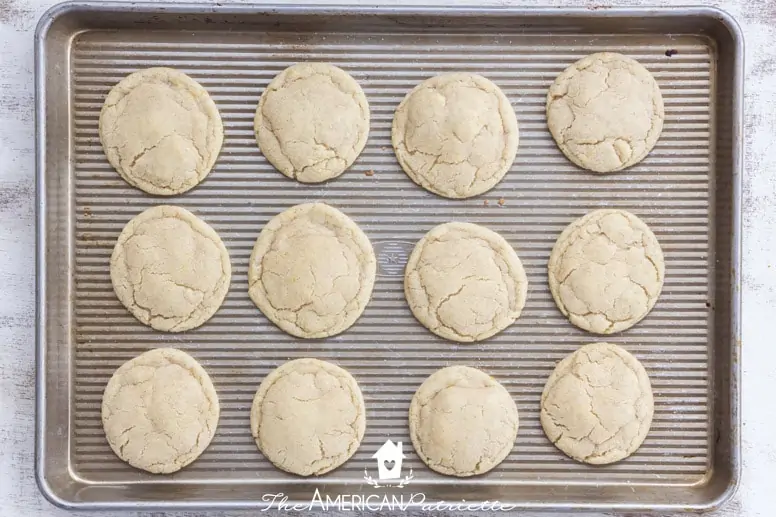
x,y
389,458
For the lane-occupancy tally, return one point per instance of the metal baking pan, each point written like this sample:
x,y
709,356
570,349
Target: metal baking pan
x,y
688,190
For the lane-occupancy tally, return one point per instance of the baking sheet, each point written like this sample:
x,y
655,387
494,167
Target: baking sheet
x,y
687,190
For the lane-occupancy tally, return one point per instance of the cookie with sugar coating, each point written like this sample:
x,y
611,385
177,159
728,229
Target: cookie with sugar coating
x,y
597,405
455,135
170,269
606,271
308,417
312,271
161,131
605,112
462,422
465,282
160,411
312,122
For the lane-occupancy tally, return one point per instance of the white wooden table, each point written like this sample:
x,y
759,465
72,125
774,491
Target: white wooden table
x,y
19,495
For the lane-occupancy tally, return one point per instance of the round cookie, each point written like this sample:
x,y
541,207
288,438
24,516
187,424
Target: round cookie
x,y
464,282
170,269
455,135
160,411
605,112
462,422
606,271
311,271
308,417
597,405
161,131
312,122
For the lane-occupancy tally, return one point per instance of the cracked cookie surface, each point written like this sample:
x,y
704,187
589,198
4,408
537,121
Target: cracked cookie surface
x,y
161,131
464,282
605,112
170,269
597,405
606,271
312,122
160,411
308,417
462,422
312,271
455,135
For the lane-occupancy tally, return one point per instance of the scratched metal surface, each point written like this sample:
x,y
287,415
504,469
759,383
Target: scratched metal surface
x,y
679,190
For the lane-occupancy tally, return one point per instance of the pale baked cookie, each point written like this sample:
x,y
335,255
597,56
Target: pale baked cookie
x,y
606,271
464,282
312,271
455,135
170,269
160,411
308,417
462,422
312,122
597,405
605,112
161,131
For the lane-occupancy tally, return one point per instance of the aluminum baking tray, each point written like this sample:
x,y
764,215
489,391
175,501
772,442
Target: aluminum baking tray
x,y
688,190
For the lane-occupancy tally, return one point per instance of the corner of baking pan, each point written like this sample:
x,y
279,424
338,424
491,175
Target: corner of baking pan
x,y
51,15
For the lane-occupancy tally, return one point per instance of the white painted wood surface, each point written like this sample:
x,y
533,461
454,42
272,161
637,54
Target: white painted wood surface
x,y
19,495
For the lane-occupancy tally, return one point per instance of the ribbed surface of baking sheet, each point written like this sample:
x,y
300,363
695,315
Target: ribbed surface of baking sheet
x,y
387,351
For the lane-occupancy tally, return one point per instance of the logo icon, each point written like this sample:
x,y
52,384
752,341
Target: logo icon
x,y
389,458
